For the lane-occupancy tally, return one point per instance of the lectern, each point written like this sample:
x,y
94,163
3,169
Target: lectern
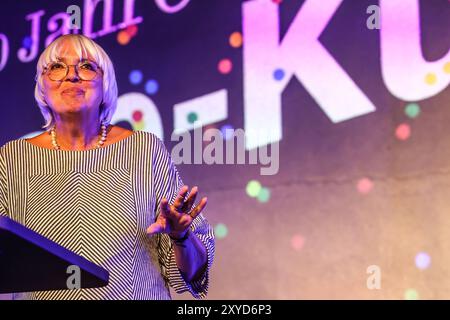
x,y
31,262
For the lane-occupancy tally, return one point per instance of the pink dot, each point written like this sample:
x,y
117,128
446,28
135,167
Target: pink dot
x,y
132,30
277,1
137,116
365,185
225,66
297,242
403,131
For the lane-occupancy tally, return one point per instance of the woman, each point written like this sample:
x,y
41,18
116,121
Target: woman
x,y
109,194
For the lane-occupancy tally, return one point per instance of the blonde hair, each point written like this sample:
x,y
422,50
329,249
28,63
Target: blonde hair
x,y
85,48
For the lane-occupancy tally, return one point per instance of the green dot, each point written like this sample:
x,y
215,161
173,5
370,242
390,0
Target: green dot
x,y
220,231
253,188
412,110
264,195
192,117
411,294
139,125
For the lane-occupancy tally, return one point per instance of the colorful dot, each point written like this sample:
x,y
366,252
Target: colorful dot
x,y
123,38
277,1
411,294
137,116
447,67
263,195
192,117
253,188
235,39
278,74
227,131
423,260
403,131
27,42
297,242
151,86
139,125
365,185
132,30
225,66
430,78
220,231
412,110
135,76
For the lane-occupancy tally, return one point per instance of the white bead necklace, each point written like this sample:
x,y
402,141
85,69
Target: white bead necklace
x,y
100,142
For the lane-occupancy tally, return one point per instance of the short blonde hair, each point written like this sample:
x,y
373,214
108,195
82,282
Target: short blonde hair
x,y
84,47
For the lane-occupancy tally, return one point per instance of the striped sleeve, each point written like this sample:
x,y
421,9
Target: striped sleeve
x,y
167,183
3,187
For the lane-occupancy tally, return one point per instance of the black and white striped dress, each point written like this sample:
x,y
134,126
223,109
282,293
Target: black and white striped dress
x,y
99,203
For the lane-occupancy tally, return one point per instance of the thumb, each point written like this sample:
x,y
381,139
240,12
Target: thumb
x,y
156,227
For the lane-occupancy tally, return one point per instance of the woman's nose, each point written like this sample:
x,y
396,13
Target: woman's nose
x,y
72,74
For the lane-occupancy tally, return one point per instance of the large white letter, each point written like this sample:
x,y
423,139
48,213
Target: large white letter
x,y
405,72
301,54
135,102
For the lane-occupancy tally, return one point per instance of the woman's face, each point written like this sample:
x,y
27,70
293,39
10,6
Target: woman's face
x,y
72,94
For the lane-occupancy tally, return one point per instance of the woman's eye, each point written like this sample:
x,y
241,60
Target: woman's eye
x,y
56,66
87,66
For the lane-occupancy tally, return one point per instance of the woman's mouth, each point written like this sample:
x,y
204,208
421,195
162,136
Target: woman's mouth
x,y
73,91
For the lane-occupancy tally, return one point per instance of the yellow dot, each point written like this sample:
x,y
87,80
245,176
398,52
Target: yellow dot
x,y
447,67
430,78
138,125
236,39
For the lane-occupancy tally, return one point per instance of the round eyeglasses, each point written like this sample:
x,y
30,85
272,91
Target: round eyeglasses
x,y
86,70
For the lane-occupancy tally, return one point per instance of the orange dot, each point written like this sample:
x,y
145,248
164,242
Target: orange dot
x,y
430,78
447,67
403,131
236,39
123,38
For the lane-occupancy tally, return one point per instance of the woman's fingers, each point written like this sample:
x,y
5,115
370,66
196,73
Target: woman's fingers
x,y
190,200
179,201
178,221
199,208
167,211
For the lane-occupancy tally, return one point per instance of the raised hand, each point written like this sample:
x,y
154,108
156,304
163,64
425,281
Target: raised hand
x,y
175,219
